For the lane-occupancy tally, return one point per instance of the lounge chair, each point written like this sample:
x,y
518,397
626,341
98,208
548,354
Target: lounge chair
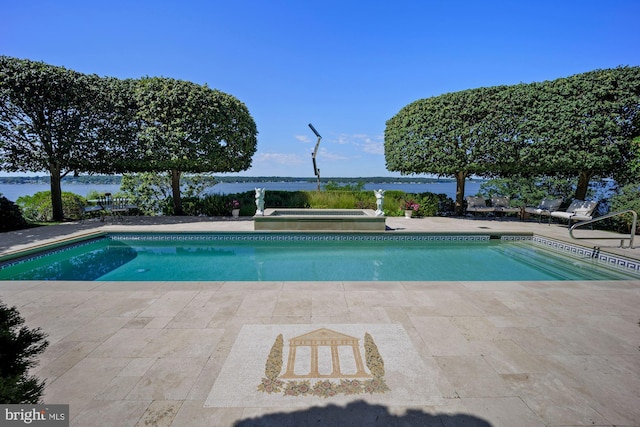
x,y
578,210
502,204
545,208
477,204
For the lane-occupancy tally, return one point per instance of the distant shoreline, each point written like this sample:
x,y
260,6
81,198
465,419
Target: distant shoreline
x,y
116,179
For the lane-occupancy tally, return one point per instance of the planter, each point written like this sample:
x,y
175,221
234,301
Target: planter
x,y
235,213
408,213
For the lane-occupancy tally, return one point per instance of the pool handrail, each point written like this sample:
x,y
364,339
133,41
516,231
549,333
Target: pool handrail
x,y
611,215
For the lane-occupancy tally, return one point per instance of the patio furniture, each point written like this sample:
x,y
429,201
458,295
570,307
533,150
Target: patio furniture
x,y
578,210
545,208
90,211
120,208
116,207
477,204
502,204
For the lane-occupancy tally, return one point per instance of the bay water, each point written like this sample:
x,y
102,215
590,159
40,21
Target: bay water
x,y
13,191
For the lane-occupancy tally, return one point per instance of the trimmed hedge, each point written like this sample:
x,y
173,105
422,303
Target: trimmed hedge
x,y
393,205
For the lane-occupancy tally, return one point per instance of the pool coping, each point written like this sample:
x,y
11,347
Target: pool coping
x,y
49,246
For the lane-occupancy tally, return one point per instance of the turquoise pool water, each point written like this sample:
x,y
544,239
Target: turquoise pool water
x,y
305,257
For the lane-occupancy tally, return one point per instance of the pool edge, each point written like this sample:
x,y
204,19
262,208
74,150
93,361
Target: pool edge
x,y
617,261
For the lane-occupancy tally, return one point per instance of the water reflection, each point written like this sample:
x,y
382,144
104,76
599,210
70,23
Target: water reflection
x,y
89,265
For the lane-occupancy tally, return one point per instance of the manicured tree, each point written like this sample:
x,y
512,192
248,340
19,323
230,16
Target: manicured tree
x,y
55,120
191,128
630,174
627,197
583,125
19,347
457,134
117,127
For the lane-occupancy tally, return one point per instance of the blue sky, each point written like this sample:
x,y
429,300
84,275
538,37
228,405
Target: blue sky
x,y
345,66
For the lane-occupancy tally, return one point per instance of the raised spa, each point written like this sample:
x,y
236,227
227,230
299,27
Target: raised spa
x,y
319,220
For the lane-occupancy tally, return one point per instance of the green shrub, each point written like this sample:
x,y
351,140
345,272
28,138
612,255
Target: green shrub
x,y
336,199
191,206
628,197
286,199
214,205
220,204
430,204
38,207
151,192
334,186
10,216
393,205
18,348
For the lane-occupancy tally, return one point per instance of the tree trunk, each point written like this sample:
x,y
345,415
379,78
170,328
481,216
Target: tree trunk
x,y
583,185
175,187
56,193
460,181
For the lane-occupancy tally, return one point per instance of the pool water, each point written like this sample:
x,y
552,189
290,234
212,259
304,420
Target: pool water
x,y
242,258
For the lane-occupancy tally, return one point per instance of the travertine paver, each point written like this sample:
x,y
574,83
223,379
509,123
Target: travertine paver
x,y
496,353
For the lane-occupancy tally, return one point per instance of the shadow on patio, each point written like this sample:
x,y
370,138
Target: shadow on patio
x,y
360,413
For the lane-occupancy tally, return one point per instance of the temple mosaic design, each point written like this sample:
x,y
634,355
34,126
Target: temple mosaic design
x,y
300,365
312,381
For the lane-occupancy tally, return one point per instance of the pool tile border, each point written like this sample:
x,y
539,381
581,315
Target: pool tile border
x,y
298,237
248,237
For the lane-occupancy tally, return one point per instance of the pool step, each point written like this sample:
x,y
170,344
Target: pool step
x,y
559,265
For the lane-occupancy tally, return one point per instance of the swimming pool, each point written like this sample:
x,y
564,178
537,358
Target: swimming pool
x,y
307,257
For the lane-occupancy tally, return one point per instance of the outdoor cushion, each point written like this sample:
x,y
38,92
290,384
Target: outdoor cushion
x,y
501,204
477,204
550,204
578,210
500,201
545,207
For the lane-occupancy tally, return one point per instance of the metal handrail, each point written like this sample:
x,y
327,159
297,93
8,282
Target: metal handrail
x,y
622,239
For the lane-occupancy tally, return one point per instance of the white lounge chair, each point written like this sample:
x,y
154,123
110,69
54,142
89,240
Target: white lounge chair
x,y
502,204
578,210
545,208
477,204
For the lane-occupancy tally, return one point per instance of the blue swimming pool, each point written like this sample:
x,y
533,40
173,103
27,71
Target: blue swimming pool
x,y
307,257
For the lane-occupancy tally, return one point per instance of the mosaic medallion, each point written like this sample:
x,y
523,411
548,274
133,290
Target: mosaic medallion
x,y
317,383
299,365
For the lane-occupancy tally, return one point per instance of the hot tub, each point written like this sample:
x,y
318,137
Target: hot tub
x,y
319,219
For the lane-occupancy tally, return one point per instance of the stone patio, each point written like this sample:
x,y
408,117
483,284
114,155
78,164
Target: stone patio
x,y
454,353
